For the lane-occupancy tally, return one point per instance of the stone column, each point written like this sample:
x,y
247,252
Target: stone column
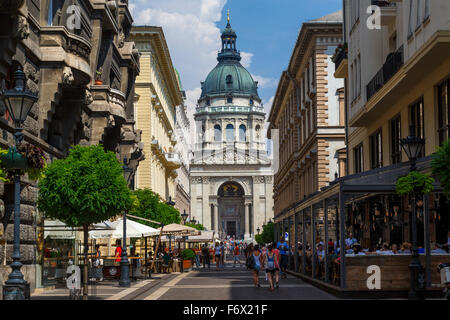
x,y
247,221
216,217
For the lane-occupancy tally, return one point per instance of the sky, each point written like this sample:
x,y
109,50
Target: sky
x,y
267,31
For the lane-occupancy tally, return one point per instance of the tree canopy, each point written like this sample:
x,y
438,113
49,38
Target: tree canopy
x,y
441,165
86,187
195,226
267,234
148,204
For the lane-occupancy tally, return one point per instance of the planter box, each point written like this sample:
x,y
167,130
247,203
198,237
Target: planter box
x,y
187,264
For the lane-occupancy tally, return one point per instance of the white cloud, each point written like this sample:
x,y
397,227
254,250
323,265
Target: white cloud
x,y
264,82
246,59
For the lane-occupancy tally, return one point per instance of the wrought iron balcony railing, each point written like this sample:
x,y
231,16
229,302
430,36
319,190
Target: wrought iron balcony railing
x,y
394,62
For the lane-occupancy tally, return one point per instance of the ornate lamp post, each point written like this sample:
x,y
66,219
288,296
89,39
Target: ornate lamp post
x,y
193,220
184,216
124,263
413,146
258,230
170,202
18,101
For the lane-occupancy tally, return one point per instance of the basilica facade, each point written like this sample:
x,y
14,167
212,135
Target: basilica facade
x,y
231,174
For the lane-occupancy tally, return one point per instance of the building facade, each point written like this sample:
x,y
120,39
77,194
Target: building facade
x,y
157,97
231,175
184,150
396,70
83,72
308,110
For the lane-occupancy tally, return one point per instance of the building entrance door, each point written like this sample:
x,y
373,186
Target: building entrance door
x,y
231,228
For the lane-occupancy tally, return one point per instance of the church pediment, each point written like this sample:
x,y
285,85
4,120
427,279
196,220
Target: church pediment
x,y
231,156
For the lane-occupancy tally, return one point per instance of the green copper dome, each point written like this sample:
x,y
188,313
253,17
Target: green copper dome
x,y
229,76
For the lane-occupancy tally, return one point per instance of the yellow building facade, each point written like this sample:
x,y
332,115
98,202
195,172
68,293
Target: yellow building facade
x,y
157,97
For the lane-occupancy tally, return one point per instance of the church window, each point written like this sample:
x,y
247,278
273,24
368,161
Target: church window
x,y
230,133
208,102
242,133
251,102
229,79
217,133
229,100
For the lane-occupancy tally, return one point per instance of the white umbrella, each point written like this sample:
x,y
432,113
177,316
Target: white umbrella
x,y
56,229
134,230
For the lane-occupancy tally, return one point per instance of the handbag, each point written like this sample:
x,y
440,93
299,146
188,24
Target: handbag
x,y
250,263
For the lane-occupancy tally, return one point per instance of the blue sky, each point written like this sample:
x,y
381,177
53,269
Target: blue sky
x,y
266,29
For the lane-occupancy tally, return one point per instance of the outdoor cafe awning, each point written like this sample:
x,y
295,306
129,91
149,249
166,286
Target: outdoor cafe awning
x,y
55,229
134,230
175,229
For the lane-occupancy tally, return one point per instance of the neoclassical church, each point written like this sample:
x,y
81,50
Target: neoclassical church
x,y
231,174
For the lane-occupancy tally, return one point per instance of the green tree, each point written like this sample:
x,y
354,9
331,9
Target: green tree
x,y
267,235
86,187
195,226
148,204
441,165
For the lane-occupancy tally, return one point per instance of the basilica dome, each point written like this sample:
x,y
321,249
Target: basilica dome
x,y
229,76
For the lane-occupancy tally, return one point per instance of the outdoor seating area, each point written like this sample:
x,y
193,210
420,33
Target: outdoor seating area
x,y
376,229
63,246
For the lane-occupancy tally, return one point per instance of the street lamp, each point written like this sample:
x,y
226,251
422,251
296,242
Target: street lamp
x,y
170,202
184,216
413,146
193,220
124,263
18,101
258,230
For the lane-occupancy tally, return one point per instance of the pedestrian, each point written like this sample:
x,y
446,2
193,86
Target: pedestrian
x,y
222,255
258,261
270,258
236,255
277,264
217,251
284,250
118,252
205,253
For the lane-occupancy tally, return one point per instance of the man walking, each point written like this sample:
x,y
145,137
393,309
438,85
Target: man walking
x,y
236,255
284,251
205,253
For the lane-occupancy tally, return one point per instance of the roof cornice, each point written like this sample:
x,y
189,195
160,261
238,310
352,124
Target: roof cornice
x,y
156,34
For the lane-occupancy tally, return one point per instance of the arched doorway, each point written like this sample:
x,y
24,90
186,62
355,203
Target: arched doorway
x,y
231,210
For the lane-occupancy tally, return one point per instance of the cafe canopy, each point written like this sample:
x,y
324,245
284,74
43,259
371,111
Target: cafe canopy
x,y
134,230
175,229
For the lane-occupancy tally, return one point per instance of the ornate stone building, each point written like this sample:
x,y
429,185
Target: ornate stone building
x,y
60,53
231,175
309,111
158,96
184,150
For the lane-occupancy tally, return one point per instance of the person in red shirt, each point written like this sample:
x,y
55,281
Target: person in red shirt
x,y
236,255
118,253
277,263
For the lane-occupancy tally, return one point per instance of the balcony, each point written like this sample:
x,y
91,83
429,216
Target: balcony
x,y
173,160
388,11
340,60
394,62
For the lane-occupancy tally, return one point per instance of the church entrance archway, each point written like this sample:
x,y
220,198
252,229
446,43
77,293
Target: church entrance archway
x,y
231,210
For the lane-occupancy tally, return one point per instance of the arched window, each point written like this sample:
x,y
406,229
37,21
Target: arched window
x,y
230,133
229,100
217,133
229,79
257,132
242,131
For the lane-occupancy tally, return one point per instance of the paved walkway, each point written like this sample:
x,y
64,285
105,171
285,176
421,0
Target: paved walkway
x,y
229,283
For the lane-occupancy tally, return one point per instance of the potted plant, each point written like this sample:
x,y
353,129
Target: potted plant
x,y
188,258
414,182
26,157
98,77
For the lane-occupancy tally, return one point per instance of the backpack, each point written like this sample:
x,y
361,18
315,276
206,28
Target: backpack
x,y
250,262
271,261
